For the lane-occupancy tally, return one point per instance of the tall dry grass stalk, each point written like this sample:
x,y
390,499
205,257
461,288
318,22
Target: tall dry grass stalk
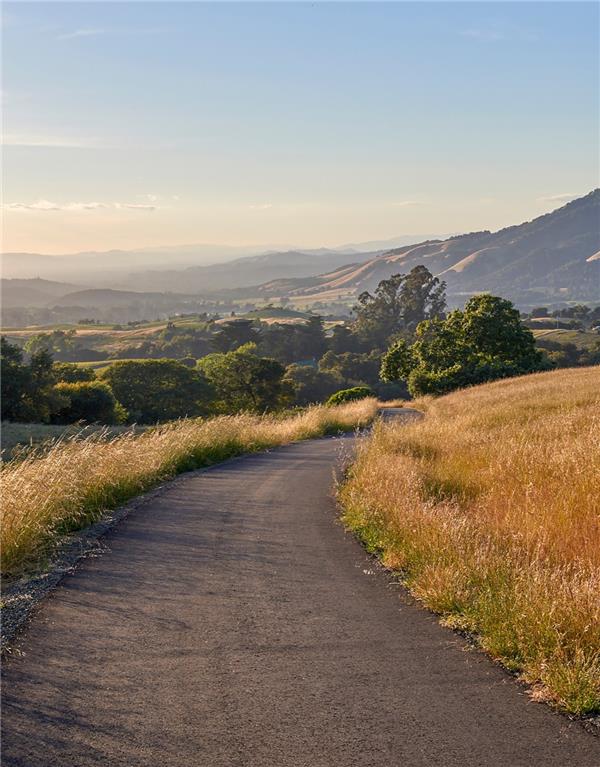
x,y
75,481
490,508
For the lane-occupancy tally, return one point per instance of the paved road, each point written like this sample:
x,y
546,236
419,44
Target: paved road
x,y
232,623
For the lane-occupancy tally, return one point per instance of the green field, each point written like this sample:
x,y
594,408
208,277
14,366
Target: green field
x,y
106,340
274,313
581,338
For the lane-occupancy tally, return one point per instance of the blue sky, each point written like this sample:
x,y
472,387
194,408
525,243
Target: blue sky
x,y
135,124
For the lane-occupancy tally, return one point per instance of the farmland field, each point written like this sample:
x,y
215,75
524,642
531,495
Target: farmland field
x,y
581,338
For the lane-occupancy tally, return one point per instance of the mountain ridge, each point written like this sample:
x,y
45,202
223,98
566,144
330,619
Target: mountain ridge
x,y
553,256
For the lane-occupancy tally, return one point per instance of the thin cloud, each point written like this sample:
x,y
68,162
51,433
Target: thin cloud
x,y
88,32
483,34
263,206
408,203
566,197
134,206
51,142
96,31
47,205
497,31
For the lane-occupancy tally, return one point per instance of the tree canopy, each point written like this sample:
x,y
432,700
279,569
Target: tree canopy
x,y
399,304
69,372
310,384
245,381
234,334
158,390
88,401
483,342
27,389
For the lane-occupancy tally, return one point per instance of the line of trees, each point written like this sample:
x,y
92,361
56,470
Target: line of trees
x,y
243,365
401,341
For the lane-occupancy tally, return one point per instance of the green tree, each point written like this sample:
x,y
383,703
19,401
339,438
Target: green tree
x,y
27,390
90,402
539,311
246,382
352,369
342,340
422,297
310,385
15,380
234,334
158,390
69,372
398,305
278,341
288,343
59,343
311,341
483,342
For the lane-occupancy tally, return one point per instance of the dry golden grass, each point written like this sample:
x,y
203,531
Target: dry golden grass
x,y
490,507
394,403
73,482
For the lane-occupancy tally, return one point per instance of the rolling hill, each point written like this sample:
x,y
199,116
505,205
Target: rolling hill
x,y
34,292
185,268
554,257
106,268
243,272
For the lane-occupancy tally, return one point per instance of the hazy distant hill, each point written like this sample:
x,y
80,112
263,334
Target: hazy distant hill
x,y
243,272
209,267
553,257
102,297
33,292
104,267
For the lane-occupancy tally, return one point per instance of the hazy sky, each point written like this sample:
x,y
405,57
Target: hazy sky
x,y
135,124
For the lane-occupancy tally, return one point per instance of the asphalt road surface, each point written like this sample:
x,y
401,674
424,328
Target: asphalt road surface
x,y
232,622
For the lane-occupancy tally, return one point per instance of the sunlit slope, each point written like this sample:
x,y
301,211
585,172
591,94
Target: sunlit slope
x,y
490,507
555,254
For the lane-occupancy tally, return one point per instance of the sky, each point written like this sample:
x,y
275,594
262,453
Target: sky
x,y
141,124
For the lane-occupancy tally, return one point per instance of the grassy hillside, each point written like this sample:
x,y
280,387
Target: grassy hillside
x,y
553,257
74,482
106,339
489,508
581,338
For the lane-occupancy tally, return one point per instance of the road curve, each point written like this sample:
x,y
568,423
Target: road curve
x,y
231,622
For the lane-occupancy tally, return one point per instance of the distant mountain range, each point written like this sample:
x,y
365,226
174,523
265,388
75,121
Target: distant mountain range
x,y
552,258
166,267
243,272
105,267
34,292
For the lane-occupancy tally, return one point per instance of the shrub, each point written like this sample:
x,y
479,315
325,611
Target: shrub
x,y
350,395
89,401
